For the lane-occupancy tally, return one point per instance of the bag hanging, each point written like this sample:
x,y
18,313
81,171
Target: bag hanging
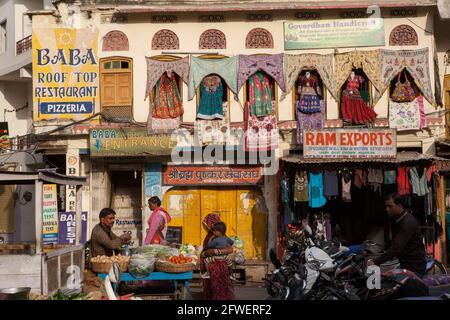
x,y
403,92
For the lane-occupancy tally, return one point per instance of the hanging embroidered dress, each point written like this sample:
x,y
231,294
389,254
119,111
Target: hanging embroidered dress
x,y
211,90
308,89
354,109
260,95
260,121
167,103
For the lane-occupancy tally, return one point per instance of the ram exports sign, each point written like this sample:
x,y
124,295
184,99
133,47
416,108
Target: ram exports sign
x,y
65,73
350,143
113,142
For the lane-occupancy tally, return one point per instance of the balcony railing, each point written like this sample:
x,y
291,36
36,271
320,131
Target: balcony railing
x,y
23,45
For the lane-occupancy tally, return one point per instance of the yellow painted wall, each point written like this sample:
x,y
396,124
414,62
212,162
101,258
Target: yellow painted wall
x,y
240,209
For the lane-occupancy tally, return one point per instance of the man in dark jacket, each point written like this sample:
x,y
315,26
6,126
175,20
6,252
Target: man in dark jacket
x,y
103,240
407,244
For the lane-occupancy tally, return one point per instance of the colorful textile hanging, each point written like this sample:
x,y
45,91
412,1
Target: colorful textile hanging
x,y
308,90
417,64
156,68
167,103
272,65
260,95
211,91
369,61
354,108
295,63
407,115
226,68
214,132
261,133
308,121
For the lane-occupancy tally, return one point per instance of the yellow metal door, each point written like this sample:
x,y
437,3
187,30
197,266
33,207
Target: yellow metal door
x,y
226,206
252,226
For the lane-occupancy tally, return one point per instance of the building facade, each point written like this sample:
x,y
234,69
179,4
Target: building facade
x,y
104,134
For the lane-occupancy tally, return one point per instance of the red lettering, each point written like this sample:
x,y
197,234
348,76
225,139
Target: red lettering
x,y
320,140
389,139
342,140
309,138
330,138
358,138
381,135
373,139
366,139
350,140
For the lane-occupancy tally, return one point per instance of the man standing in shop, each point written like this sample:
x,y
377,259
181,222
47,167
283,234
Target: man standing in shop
x,y
407,245
103,240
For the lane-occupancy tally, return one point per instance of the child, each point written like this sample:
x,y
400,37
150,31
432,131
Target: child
x,y
219,241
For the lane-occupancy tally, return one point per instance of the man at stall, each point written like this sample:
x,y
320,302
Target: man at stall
x,y
103,240
407,245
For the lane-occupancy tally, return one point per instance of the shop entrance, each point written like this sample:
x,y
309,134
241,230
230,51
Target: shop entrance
x,y
126,201
242,209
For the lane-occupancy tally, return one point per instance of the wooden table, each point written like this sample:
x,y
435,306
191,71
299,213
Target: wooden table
x,y
184,277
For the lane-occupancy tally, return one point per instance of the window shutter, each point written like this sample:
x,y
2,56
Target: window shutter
x,y
123,89
109,89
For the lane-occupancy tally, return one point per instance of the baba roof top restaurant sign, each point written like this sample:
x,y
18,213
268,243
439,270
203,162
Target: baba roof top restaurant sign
x,y
350,143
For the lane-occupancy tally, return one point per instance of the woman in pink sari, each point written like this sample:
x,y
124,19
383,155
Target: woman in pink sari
x,y
157,223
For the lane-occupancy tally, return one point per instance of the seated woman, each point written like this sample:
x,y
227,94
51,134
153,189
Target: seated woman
x,y
218,286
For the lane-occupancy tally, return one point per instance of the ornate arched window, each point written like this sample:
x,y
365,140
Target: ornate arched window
x,y
115,41
259,38
165,40
212,39
403,35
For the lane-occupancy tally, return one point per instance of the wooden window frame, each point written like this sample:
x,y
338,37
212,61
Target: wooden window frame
x,y
197,91
116,71
294,95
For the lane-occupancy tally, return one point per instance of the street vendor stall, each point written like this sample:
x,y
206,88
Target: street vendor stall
x,y
35,265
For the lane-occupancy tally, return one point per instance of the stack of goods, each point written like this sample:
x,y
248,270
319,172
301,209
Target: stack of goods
x,y
102,264
238,250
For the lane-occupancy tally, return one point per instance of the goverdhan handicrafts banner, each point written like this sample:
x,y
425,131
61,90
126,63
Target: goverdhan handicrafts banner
x,y
65,73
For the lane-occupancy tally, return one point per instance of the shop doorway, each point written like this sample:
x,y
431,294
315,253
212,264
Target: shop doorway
x,y
242,209
126,201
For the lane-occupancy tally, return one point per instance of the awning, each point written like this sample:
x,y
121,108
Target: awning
x,y
404,157
14,177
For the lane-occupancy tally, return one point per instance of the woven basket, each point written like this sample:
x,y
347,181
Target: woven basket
x,y
164,266
104,267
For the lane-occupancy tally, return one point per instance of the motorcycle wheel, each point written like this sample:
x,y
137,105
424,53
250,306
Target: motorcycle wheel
x,y
273,287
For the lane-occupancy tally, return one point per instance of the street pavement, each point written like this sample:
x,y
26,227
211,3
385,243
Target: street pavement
x,y
249,291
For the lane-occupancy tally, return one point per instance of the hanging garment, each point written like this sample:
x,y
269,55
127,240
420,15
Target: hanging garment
x,y
260,95
214,132
308,90
315,190
419,184
226,68
390,177
406,115
403,92
346,189
430,171
375,179
404,187
328,232
211,90
301,187
308,121
167,103
330,184
261,133
354,109
360,178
